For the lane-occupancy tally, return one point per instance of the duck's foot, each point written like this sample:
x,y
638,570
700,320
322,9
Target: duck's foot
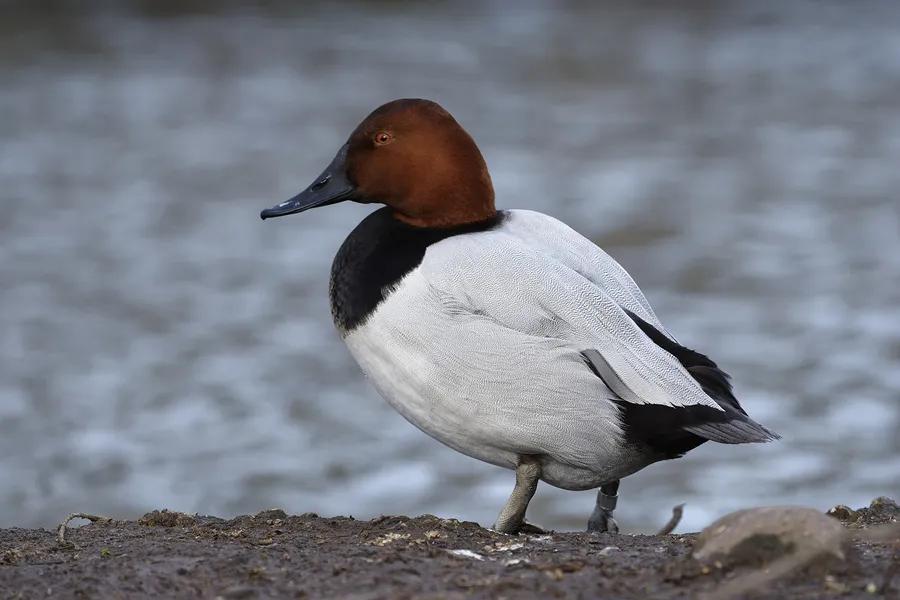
x,y
526,528
512,517
532,528
601,520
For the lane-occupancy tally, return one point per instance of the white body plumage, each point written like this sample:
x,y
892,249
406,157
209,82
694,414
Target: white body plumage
x,y
480,347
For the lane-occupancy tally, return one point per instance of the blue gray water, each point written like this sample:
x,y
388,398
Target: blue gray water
x,y
160,346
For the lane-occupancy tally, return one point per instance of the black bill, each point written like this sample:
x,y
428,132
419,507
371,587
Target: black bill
x,y
331,187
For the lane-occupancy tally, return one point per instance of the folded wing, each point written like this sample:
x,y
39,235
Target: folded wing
x,y
670,397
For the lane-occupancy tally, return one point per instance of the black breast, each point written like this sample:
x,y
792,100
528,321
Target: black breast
x,y
375,256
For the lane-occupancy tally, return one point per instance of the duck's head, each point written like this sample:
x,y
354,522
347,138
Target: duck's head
x,y
412,156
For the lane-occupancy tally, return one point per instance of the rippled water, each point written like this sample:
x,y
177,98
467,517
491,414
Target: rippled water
x,y
160,346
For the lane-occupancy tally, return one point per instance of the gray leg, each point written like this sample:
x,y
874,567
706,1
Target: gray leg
x,y
602,518
512,517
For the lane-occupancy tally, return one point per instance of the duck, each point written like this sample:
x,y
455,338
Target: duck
x,y
505,334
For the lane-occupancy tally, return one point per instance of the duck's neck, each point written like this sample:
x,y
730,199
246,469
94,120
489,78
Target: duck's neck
x,y
449,206
442,221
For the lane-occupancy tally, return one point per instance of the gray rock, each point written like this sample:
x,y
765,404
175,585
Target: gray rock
x,y
758,536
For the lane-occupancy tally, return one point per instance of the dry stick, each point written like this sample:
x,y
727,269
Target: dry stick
x,y
669,527
61,530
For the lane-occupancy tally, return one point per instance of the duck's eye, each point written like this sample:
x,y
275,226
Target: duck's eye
x,y
383,138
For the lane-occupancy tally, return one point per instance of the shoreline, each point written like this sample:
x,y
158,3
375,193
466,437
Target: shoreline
x,y
272,555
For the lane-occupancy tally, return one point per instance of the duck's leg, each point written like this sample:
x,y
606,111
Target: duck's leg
x,y
512,517
601,519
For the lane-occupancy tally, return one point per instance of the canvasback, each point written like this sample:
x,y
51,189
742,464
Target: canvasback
x,y
505,334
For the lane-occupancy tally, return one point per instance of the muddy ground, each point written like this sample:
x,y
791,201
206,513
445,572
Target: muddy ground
x,y
272,555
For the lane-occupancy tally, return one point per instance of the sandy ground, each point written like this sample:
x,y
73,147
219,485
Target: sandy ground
x,y
272,555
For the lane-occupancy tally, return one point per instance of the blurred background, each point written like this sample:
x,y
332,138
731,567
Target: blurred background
x,y
160,346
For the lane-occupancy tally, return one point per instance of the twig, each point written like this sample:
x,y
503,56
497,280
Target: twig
x,y
61,530
669,527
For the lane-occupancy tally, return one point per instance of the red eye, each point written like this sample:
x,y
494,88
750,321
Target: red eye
x,y
383,138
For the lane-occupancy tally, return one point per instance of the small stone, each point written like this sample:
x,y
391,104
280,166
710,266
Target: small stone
x,y
842,512
209,520
884,505
507,546
237,592
168,518
464,553
390,538
10,556
833,585
272,513
758,536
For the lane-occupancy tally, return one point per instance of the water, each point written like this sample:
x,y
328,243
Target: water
x,y
160,346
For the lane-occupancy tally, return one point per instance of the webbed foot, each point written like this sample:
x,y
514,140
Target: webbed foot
x,y
601,520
